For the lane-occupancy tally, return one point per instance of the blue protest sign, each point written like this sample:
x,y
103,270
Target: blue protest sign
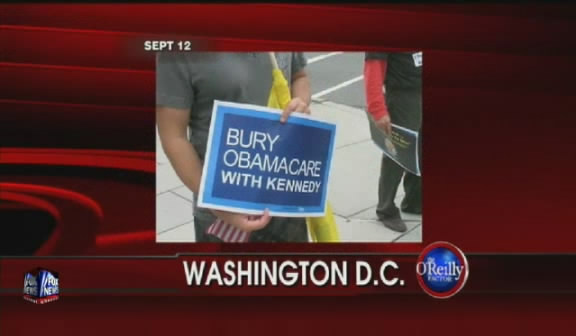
x,y
253,162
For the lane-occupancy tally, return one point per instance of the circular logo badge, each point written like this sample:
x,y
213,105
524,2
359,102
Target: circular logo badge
x,y
442,270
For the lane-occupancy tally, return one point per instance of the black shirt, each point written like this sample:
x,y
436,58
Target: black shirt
x,y
404,70
403,84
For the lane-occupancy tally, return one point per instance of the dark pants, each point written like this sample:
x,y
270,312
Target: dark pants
x,y
390,176
405,110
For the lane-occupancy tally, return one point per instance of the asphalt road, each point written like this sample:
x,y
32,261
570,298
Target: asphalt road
x,y
337,77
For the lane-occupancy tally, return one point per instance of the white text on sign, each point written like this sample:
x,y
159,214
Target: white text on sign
x,y
244,159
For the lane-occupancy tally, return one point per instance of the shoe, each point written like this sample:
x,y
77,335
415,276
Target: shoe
x,y
394,224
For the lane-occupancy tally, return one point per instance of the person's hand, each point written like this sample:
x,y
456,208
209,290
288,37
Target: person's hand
x,y
247,223
385,124
295,105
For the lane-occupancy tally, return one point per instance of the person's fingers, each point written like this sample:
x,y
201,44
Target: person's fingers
x,y
253,223
285,115
301,107
295,105
385,125
382,127
262,221
291,107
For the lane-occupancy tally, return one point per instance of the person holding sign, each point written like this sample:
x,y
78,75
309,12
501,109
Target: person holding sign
x,y
187,84
401,104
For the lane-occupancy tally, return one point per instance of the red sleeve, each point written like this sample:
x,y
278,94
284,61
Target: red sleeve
x,y
374,76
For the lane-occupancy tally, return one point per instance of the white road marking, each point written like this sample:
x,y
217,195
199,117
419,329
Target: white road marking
x,y
337,87
323,56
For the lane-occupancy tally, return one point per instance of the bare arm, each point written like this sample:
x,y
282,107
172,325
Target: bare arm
x,y
301,86
172,128
374,77
300,91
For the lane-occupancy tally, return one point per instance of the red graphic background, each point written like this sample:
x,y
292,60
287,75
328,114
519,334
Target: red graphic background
x,y
77,156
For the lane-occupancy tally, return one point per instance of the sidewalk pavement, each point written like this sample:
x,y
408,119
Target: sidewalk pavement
x,y
352,189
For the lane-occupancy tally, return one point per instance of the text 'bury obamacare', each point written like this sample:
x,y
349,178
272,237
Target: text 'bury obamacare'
x,y
253,162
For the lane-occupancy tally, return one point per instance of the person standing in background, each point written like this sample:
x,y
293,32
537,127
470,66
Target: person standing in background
x,y
400,74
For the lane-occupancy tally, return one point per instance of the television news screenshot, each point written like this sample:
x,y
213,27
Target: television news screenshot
x,y
277,168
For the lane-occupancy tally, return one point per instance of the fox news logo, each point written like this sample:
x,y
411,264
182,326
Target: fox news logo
x,y
442,270
41,286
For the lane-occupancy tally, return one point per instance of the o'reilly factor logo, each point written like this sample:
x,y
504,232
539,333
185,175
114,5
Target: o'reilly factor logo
x,y
442,270
41,286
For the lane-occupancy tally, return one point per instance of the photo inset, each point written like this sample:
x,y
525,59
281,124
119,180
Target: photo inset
x,y
289,147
